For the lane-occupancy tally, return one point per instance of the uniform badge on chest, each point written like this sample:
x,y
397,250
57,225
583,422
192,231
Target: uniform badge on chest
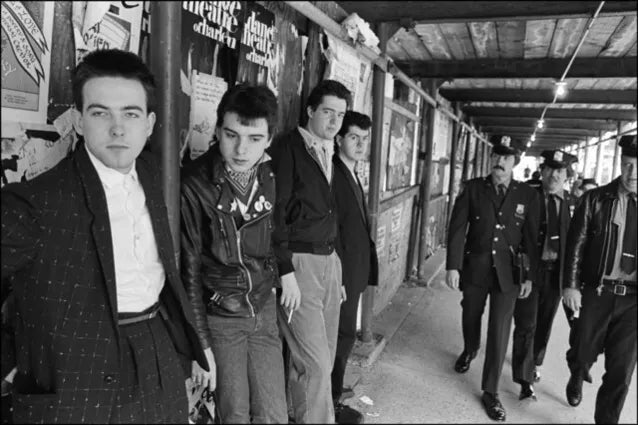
x,y
520,209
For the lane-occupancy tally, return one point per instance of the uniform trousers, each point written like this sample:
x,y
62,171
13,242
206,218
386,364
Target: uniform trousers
x,y
549,296
499,325
525,326
607,322
152,382
311,337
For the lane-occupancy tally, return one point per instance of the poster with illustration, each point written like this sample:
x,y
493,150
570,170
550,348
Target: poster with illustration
x,y
26,59
106,25
401,152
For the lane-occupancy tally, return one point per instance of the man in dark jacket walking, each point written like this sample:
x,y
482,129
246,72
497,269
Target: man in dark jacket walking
x,y
305,237
356,249
534,315
494,218
104,330
228,263
601,257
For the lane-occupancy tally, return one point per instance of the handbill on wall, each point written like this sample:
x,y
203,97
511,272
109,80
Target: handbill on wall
x,y
352,70
207,91
106,25
401,152
257,53
26,58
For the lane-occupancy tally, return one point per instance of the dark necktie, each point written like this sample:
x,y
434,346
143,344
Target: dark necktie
x,y
500,193
628,259
359,194
553,231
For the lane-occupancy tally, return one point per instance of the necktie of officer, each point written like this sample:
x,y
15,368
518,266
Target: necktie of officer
x,y
553,231
500,193
628,259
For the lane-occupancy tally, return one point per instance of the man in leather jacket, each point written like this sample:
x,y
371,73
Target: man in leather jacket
x,y
601,256
228,261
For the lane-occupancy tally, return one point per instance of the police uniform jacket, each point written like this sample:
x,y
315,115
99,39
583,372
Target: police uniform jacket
x,y
567,206
57,243
480,230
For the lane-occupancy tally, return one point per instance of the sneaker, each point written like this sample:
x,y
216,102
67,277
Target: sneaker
x,y
345,414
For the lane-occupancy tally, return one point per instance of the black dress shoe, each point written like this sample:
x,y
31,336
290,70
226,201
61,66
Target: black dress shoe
x,y
527,391
493,406
462,364
574,390
345,414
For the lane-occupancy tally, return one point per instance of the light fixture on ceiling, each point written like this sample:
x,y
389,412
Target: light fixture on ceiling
x,y
561,88
529,143
540,123
533,138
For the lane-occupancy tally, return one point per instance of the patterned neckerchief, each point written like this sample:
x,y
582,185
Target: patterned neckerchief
x,y
241,182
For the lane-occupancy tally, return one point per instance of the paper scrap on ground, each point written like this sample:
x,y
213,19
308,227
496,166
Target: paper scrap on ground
x,y
367,400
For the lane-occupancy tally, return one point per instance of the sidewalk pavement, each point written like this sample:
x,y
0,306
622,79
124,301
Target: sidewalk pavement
x,y
410,378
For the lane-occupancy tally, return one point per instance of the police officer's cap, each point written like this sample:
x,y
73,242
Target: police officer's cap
x,y
557,158
505,145
628,145
588,181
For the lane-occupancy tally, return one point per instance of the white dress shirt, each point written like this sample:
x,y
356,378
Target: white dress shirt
x,y
139,273
321,150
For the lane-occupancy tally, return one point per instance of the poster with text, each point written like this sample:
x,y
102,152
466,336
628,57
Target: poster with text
x,y
401,152
106,25
207,92
257,46
26,59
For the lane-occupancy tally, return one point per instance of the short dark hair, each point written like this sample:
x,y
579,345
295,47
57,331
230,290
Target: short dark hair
x,y
112,63
249,103
569,169
352,118
328,88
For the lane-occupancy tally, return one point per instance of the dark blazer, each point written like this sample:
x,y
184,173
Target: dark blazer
x,y
56,242
305,213
476,241
567,206
357,251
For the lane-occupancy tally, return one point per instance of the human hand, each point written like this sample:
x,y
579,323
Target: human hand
x,y
526,289
203,377
290,294
452,279
572,298
344,297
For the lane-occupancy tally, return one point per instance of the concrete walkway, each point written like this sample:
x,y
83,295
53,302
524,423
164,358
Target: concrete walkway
x,y
413,380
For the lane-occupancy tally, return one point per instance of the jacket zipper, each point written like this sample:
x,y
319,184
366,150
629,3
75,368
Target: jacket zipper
x,y
241,261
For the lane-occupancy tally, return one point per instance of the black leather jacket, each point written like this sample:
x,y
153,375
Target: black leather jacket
x,y
591,233
227,271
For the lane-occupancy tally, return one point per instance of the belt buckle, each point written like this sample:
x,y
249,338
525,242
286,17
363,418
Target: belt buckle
x,y
620,289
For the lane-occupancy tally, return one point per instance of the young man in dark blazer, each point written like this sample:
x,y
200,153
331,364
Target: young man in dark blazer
x,y
493,219
104,332
356,249
305,236
534,315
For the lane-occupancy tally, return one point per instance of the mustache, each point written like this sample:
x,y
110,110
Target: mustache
x,y
498,167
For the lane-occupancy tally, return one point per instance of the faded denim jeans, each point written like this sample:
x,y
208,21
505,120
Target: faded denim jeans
x,y
312,336
250,367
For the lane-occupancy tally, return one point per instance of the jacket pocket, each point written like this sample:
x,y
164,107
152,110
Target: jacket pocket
x,y
34,408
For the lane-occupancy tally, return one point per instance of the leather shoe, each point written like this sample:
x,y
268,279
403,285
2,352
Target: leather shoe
x,y
527,391
574,390
462,364
345,414
493,406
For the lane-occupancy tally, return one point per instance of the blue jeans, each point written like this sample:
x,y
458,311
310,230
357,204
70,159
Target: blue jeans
x,y
312,336
250,368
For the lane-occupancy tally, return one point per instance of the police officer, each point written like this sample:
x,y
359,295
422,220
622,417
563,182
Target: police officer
x,y
601,254
534,315
493,218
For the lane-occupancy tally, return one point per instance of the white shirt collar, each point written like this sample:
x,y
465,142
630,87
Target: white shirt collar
x,y
312,140
108,176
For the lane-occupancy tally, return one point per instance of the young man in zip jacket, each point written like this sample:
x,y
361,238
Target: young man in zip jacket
x,y
228,261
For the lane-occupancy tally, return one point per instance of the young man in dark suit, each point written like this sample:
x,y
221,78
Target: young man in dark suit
x,y
534,315
493,219
357,251
104,332
600,284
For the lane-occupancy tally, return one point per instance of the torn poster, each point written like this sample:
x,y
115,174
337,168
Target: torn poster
x,y
26,60
29,150
257,47
106,25
207,91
